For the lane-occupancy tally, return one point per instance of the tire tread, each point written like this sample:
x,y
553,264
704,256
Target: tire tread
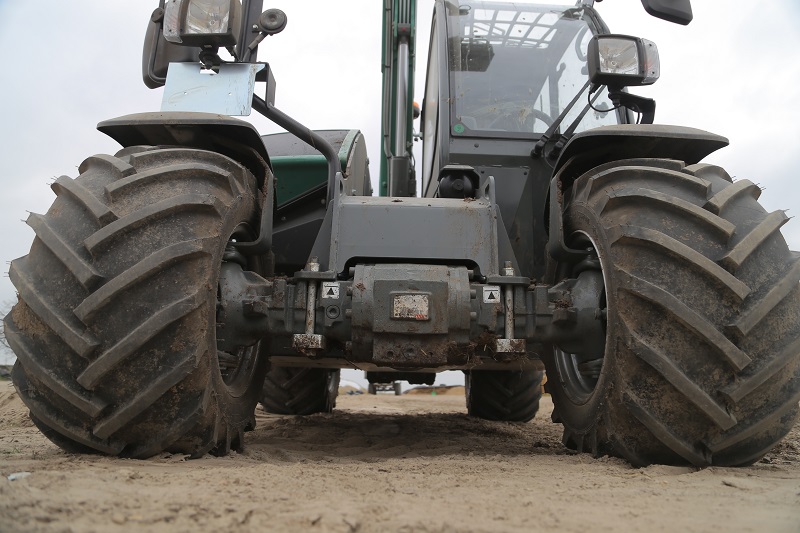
x,y
116,301
704,376
504,395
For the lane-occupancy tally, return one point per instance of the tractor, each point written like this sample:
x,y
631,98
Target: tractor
x,y
549,225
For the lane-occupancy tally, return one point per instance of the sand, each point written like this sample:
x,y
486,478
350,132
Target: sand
x,y
385,463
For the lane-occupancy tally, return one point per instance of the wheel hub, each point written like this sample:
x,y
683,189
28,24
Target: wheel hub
x,y
579,359
241,320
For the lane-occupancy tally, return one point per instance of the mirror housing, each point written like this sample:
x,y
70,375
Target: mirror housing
x,y
158,53
677,11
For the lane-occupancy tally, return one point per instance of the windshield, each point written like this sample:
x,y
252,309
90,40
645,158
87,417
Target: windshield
x,y
515,67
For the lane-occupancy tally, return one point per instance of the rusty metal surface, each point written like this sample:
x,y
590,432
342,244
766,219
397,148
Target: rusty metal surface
x,y
308,344
509,346
406,316
409,315
411,306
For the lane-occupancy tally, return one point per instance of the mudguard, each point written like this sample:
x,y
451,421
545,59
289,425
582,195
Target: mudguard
x,y
228,136
595,147
231,137
591,148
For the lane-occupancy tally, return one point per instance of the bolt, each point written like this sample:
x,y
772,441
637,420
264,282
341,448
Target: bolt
x,y
332,312
508,270
313,265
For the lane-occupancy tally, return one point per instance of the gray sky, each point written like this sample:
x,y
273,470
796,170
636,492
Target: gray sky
x,y
71,64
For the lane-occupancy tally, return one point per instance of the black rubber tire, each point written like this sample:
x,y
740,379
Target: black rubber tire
x,y
114,331
504,395
701,360
300,391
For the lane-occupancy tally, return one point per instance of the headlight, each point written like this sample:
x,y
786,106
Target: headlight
x,y
622,61
202,22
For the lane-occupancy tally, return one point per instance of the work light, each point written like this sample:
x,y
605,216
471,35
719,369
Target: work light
x,y
622,61
202,22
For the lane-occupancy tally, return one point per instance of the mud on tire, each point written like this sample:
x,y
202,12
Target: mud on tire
x,y
114,330
505,395
300,391
701,359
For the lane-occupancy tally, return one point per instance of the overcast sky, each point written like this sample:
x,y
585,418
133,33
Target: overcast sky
x,y
73,63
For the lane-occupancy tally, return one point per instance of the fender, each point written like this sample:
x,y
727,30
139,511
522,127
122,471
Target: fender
x,y
228,136
595,147
589,149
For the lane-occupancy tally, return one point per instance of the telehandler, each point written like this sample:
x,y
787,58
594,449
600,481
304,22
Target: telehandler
x,y
550,224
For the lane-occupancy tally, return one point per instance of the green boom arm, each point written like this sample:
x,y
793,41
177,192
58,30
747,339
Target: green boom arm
x,y
399,36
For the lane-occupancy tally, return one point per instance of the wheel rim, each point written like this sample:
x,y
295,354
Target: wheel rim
x,y
237,369
578,375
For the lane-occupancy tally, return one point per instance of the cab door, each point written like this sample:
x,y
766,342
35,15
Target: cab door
x,y
435,109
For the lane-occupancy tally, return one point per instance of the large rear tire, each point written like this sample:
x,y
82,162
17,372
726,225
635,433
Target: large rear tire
x,y
702,303
300,391
505,395
114,330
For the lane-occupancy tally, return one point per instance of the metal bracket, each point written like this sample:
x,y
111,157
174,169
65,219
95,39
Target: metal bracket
x,y
309,343
227,92
509,344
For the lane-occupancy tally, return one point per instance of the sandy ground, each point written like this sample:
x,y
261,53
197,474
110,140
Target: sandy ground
x,y
385,463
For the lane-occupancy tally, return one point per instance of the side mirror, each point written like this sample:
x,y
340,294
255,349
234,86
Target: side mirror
x,y
158,53
677,11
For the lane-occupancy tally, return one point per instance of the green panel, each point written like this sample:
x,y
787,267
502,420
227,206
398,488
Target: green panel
x,y
298,174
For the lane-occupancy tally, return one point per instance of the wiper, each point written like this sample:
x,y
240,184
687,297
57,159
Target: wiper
x,y
540,144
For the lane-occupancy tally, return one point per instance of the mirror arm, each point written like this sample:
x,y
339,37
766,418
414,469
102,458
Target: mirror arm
x,y
638,104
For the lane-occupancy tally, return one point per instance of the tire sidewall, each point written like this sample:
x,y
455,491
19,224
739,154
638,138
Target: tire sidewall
x,y
237,403
586,415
